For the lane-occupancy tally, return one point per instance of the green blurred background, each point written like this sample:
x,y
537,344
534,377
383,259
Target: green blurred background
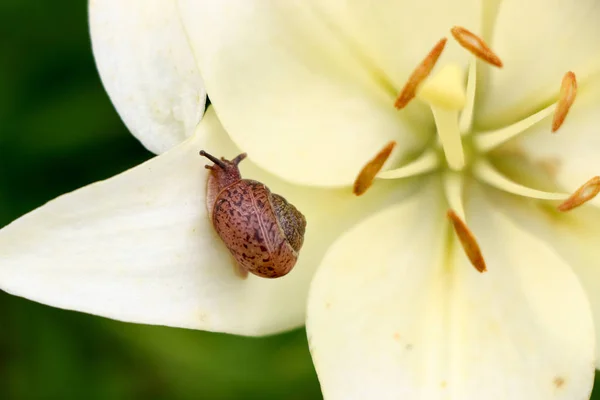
x,y
58,132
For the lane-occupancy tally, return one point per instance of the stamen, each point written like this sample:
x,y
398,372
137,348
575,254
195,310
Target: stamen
x,y
364,180
426,163
419,74
468,241
475,45
466,116
486,141
453,188
585,193
488,174
568,91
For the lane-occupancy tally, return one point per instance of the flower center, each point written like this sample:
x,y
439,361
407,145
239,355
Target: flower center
x,y
458,149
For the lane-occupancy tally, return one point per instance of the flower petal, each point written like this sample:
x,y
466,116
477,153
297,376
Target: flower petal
x,y
139,247
407,316
573,235
539,41
396,35
148,69
325,73
570,156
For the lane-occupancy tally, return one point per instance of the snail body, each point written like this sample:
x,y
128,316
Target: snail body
x,y
263,232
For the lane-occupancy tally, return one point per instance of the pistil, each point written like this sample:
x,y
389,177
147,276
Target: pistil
x,y
445,93
446,122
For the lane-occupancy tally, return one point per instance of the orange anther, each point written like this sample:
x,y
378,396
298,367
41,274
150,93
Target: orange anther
x,y
475,45
468,241
419,74
367,174
568,91
585,193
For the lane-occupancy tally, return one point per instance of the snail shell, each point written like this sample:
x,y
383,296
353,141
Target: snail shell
x,y
263,232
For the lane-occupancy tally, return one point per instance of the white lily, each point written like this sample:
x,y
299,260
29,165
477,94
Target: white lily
x,y
396,309
139,247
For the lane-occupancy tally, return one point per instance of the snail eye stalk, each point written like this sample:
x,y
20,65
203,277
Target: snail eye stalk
x,y
213,159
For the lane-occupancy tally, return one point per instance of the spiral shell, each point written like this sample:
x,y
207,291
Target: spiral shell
x,y
263,232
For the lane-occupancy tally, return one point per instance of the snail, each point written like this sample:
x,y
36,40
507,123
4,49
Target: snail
x,y
263,232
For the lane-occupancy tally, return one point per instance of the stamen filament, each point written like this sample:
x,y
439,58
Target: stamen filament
x,y
453,188
568,91
585,193
466,116
419,74
467,241
446,122
486,141
427,162
488,174
475,45
364,180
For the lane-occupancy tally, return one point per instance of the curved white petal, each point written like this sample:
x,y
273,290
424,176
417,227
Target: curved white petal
x,y
139,247
538,41
574,236
407,316
297,83
571,154
148,69
396,35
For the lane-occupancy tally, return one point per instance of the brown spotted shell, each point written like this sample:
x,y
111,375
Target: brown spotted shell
x,y
263,232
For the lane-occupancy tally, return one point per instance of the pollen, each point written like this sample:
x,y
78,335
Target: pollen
x,y
585,193
419,74
467,241
568,91
475,45
364,180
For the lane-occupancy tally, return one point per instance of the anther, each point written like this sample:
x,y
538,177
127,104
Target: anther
x,y
364,180
568,91
585,193
475,45
419,74
467,241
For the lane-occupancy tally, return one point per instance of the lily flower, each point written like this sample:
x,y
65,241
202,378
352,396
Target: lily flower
x,y
140,247
484,282
466,268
